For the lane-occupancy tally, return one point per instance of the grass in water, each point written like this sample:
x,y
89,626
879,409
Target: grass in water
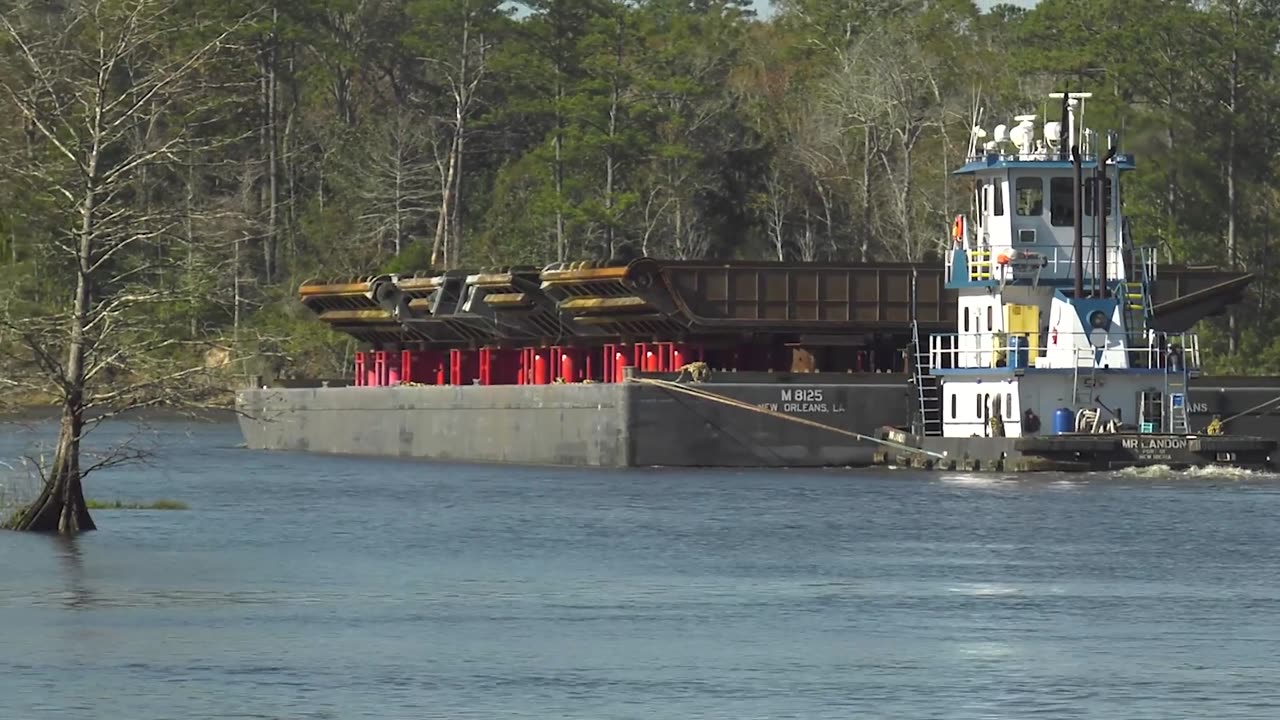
x,y
120,505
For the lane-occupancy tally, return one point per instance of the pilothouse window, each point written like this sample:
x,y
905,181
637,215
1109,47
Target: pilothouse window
x,y
997,189
1030,196
1061,202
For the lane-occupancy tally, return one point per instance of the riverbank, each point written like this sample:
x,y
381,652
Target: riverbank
x,y
41,413
42,406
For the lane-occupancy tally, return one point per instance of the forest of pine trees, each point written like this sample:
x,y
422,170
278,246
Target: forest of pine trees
x,y
173,169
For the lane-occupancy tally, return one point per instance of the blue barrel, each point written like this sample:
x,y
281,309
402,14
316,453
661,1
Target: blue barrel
x,y
1064,421
1018,351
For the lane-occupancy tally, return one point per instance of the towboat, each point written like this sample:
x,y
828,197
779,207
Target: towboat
x,y
1057,361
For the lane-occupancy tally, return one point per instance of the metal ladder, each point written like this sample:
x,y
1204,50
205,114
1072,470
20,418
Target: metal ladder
x,y
928,392
1137,296
1135,321
1082,385
1175,392
980,264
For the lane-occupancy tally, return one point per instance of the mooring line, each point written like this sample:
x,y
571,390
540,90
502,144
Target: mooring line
x,y
734,402
1272,401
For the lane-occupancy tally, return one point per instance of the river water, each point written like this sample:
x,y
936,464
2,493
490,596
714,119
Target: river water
x,y
301,586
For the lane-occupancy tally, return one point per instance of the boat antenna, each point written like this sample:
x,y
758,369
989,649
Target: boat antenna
x,y
1066,123
1077,222
1100,211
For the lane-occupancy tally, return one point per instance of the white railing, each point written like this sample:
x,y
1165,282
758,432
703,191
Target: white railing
x,y
1150,261
1004,264
1038,154
949,351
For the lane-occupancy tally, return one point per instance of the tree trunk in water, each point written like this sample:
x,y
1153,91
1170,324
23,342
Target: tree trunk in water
x,y
60,508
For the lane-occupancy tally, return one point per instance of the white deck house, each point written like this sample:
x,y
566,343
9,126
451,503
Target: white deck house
x,y
1053,298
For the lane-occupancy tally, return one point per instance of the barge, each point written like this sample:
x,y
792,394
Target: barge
x,y
644,361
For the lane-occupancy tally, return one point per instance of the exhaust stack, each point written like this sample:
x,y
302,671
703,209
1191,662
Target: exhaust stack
x,y
1066,125
1077,220
1100,198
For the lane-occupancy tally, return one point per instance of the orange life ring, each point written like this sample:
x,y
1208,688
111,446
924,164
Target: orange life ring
x,y
957,229
1002,259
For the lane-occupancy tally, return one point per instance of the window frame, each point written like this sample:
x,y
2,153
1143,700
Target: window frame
x,y
1039,195
1059,186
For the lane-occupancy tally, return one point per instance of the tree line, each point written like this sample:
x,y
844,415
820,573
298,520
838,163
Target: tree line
x,y
332,137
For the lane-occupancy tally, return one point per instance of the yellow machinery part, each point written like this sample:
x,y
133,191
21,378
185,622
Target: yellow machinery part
x,y
1024,320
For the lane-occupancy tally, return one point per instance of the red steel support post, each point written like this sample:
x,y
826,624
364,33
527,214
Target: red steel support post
x,y
621,359
541,359
393,368
486,366
406,366
568,371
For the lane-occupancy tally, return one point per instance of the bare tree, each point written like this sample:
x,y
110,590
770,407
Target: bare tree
x,y
671,223
775,205
463,68
398,179
817,154
109,92
888,87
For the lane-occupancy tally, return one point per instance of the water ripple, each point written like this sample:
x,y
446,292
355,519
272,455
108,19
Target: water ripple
x,y
394,589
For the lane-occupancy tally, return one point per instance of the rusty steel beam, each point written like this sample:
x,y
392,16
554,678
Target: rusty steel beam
x,y
715,297
603,304
646,297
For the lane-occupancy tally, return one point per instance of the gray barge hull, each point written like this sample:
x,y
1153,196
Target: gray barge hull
x,y
632,425
599,425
